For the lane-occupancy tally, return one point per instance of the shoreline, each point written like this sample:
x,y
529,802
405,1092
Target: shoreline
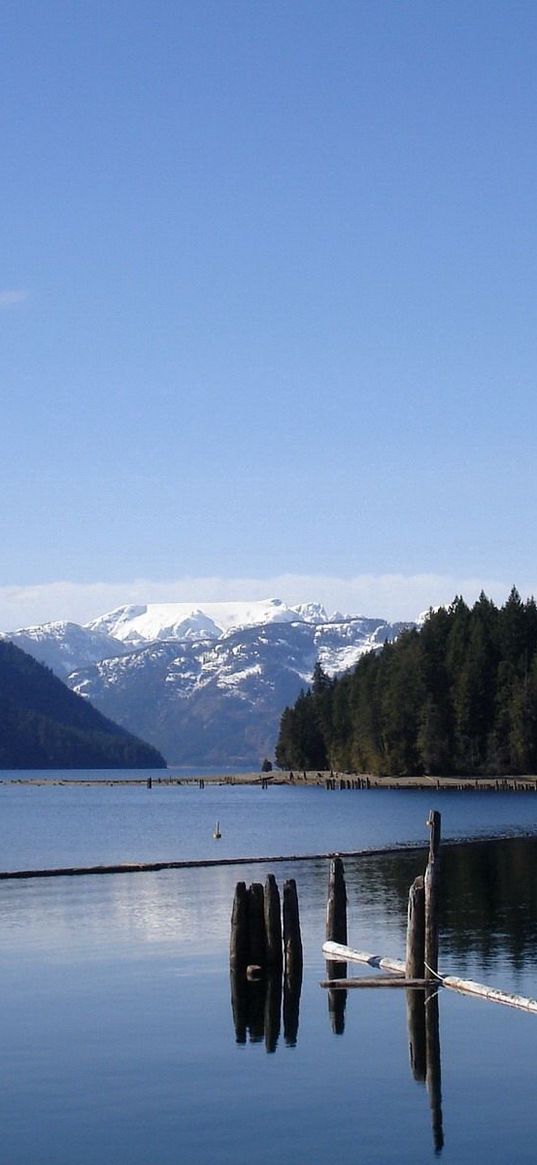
x,y
330,780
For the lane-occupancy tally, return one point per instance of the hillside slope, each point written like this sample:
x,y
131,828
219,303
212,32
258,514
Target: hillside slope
x,y
45,725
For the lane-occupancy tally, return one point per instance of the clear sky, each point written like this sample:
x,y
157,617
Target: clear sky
x,y
268,301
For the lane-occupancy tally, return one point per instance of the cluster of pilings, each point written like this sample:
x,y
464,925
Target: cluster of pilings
x,y
265,962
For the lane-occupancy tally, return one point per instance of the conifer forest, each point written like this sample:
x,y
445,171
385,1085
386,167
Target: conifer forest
x,y
457,696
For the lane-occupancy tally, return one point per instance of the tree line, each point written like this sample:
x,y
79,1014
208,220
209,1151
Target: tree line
x,y
456,696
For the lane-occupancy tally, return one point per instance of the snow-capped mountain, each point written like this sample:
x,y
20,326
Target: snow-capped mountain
x,y
205,683
65,646
137,625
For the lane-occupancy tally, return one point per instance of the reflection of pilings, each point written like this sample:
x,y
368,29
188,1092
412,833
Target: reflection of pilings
x,y
273,1007
273,923
256,1009
415,1014
337,1000
434,1071
292,986
292,941
239,1005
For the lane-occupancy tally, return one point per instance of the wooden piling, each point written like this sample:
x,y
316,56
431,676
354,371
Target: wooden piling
x,y
239,941
336,906
292,941
256,925
415,934
431,896
273,923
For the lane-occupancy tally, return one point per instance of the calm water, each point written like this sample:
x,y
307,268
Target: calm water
x,y
119,1035
54,825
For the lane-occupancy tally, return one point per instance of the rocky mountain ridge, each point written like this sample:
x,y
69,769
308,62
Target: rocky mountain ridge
x,y
206,683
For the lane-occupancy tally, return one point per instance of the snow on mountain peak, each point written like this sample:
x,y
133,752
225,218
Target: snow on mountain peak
x,y
157,621
311,613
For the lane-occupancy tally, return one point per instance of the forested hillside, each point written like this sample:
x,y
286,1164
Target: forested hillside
x,y
458,696
44,725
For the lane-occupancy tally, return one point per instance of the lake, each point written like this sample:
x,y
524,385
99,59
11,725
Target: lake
x,y
122,1041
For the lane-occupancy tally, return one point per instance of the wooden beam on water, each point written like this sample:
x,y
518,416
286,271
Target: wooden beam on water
x,y
378,981
451,982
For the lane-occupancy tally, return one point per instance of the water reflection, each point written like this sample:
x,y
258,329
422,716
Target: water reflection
x,y
488,910
423,1020
257,1010
434,1067
337,999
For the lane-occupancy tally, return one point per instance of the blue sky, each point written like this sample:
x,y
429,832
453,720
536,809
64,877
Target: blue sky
x,y
268,302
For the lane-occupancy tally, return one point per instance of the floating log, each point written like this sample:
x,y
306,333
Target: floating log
x,y
342,953
415,935
273,923
494,994
239,946
452,982
292,940
431,895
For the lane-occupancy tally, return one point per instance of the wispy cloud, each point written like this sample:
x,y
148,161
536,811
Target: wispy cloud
x,y
9,298
388,596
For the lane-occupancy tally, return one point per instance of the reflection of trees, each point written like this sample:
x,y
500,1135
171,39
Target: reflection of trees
x,y
488,896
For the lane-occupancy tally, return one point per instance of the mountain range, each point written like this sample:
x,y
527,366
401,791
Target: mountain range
x,y
204,683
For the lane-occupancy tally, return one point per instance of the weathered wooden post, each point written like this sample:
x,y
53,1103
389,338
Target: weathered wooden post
x,y
257,955
239,942
415,933
336,906
273,923
431,896
292,941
